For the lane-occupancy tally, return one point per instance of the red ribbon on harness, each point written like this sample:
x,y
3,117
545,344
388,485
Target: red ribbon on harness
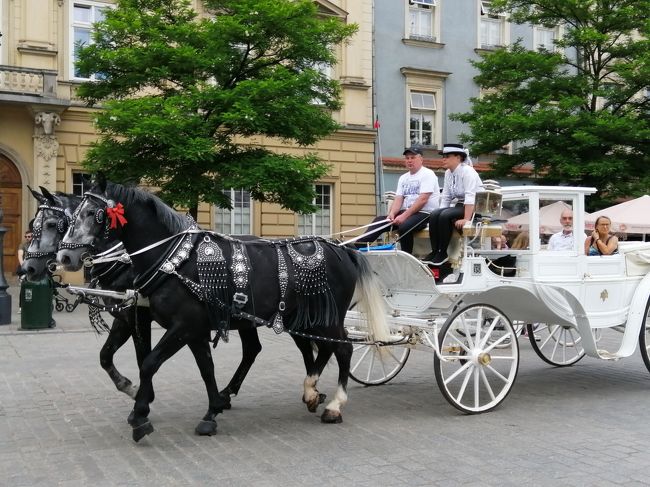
x,y
116,215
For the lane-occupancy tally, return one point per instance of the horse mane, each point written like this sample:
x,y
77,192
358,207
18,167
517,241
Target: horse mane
x,y
171,220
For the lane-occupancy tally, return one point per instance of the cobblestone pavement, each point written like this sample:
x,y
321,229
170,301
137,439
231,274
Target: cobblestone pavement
x,y
63,423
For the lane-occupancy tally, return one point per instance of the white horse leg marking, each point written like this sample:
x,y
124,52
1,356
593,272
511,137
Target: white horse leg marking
x,y
340,400
310,394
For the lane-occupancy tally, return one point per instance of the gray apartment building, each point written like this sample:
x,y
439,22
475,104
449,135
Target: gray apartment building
x,y
422,71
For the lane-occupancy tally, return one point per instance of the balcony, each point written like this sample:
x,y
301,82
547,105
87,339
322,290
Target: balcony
x,y
29,85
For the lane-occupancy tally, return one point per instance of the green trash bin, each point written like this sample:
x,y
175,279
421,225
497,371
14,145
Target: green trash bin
x,y
36,302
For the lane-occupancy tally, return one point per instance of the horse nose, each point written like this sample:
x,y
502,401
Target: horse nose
x,y
65,259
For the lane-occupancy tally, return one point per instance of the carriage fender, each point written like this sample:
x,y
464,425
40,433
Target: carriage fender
x,y
637,313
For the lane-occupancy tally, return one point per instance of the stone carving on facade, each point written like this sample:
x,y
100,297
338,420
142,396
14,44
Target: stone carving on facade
x,y
46,149
46,122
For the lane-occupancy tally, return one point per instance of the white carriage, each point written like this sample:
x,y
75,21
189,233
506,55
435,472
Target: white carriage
x,y
564,298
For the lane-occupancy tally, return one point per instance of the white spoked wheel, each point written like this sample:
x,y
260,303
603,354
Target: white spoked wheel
x,y
479,358
373,365
558,345
644,337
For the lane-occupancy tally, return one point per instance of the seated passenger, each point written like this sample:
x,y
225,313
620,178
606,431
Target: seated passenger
x,y
500,243
456,204
563,240
417,195
601,242
521,241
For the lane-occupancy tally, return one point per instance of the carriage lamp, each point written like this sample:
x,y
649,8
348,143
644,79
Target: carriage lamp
x,y
5,299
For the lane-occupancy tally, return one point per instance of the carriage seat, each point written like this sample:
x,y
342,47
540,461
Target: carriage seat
x,y
637,257
422,245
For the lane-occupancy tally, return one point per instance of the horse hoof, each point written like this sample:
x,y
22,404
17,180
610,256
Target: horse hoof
x,y
206,428
331,417
312,405
141,431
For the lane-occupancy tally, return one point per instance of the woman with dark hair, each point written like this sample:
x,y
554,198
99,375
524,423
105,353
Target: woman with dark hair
x,y
456,203
601,242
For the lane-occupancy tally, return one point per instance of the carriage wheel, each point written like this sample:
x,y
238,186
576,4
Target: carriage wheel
x,y
558,345
479,358
58,306
373,365
644,337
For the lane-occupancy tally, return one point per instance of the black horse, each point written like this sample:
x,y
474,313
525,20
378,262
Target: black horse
x,y
197,281
51,222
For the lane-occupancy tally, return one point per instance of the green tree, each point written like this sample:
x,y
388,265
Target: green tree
x,y
578,115
181,89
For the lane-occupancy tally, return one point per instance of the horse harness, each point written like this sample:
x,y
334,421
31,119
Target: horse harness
x,y
218,282
226,288
62,224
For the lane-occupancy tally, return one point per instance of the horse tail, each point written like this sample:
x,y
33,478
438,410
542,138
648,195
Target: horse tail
x,y
369,299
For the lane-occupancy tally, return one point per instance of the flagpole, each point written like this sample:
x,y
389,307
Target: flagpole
x,y
379,171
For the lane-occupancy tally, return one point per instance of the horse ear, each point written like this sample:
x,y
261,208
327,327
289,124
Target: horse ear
x,y
46,193
41,199
100,181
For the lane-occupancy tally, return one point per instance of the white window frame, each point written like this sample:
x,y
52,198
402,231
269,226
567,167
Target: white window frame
x,y
309,224
491,20
326,70
78,188
537,34
420,9
233,226
94,6
424,112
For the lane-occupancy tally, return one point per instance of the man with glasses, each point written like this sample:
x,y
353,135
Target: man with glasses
x,y
563,240
22,249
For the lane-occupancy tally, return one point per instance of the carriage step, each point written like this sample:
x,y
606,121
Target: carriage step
x,y
605,355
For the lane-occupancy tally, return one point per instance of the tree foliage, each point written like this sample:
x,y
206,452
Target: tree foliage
x,y
579,115
181,90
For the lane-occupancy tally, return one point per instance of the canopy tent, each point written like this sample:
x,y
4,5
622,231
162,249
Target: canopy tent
x,y
549,219
632,216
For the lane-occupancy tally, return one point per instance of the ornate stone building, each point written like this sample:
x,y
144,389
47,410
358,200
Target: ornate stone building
x,y
45,131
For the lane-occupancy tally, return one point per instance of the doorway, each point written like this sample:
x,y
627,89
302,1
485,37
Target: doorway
x,y
11,197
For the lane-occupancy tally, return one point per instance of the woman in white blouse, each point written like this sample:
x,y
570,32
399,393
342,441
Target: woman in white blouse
x,y
457,201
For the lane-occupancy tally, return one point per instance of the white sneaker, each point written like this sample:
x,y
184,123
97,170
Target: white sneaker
x,y
450,279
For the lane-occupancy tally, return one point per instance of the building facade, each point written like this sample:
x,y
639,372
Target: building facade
x,y
423,50
45,130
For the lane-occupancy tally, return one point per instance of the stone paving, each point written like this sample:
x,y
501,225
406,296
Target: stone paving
x,y
62,422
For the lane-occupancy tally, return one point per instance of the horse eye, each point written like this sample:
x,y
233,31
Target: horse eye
x,y
89,213
50,225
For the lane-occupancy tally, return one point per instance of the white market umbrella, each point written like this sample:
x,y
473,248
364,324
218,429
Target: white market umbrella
x,y
631,216
549,219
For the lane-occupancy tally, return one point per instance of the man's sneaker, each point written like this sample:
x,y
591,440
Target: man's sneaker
x,y
429,257
440,259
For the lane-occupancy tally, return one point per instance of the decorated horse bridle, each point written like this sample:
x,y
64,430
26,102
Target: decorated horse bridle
x,y
61,227
114,212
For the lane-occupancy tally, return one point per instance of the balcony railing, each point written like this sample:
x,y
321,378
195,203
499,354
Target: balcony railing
x,y
28,81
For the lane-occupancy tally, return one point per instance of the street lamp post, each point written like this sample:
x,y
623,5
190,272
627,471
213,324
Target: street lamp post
x,y
5,299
